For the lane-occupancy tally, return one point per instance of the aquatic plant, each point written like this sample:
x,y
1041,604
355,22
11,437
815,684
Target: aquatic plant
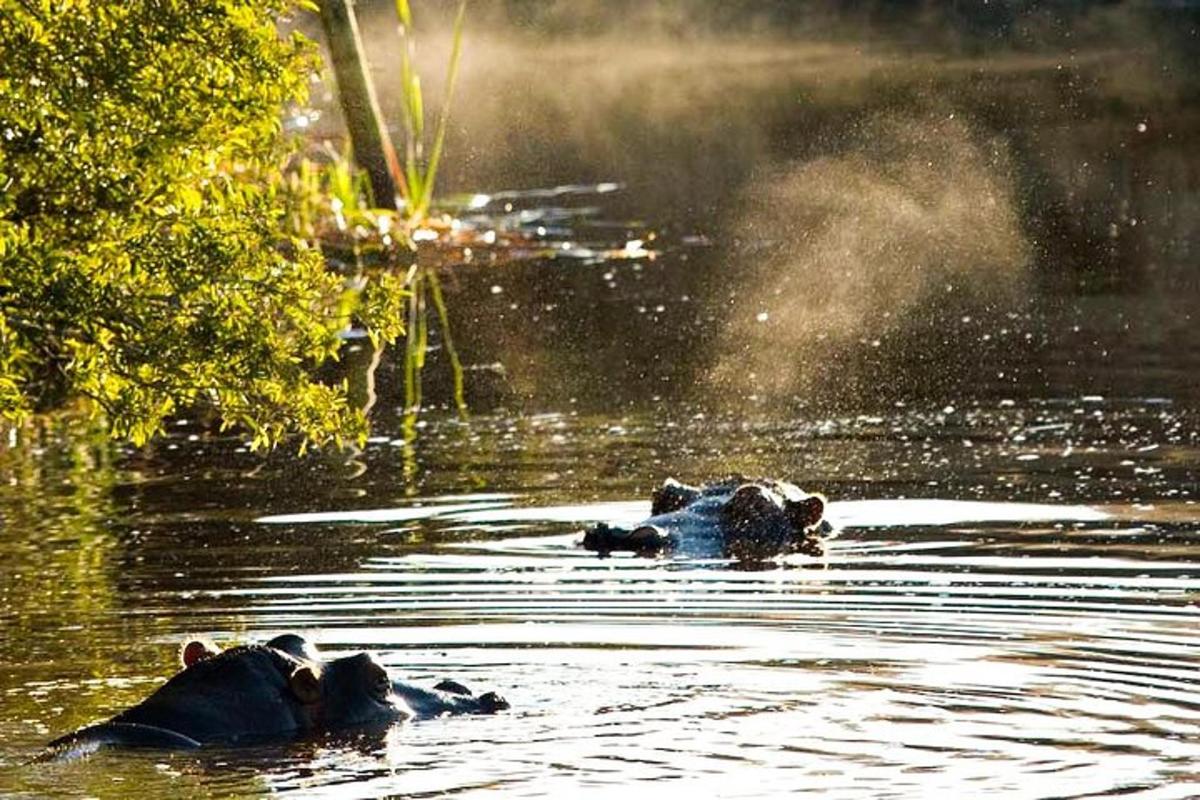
x,y
142,264
328,204
416,188
400,210
420,173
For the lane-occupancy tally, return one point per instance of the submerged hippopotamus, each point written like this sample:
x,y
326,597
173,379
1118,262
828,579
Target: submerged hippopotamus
x,y
748,519
281,689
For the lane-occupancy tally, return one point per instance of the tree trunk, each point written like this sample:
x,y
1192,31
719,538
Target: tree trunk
x,y
373,149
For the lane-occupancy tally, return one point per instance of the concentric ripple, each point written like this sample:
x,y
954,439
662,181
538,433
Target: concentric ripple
x,y
912,659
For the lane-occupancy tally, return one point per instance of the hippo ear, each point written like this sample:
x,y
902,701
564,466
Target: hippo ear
x,y
305,683
296,646
807,512
197,650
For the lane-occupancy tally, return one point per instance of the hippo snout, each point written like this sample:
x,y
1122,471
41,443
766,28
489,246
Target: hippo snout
x,y
490,703
647,539
596,538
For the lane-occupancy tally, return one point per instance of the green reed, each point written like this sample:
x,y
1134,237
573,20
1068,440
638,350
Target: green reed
x,y
420,174
416,187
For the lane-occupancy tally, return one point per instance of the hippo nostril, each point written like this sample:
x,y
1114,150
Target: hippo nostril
x,y
491,702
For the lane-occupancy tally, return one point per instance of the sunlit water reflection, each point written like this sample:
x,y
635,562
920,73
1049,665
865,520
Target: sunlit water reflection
x,y
898,666
1027,649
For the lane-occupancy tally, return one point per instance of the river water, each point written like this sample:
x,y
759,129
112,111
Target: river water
x,y
957,295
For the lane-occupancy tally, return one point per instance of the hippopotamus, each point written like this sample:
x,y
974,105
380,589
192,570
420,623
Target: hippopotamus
x,y
282,689
742,518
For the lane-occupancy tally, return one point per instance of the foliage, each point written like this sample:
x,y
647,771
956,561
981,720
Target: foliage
x,y
142,263
327,202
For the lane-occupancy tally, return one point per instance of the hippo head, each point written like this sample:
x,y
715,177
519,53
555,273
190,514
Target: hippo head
x,y
323,694
284,688
354,690
765,518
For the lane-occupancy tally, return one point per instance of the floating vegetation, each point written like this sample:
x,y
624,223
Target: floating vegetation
x,y
328,204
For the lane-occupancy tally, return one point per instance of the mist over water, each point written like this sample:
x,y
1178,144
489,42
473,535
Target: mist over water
x,y
867,187
948,280
913,223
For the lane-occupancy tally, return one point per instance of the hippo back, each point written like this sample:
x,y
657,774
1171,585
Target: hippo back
x,y
242,692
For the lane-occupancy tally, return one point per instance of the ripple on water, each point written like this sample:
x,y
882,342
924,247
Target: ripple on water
x,y
915,659
1005,648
